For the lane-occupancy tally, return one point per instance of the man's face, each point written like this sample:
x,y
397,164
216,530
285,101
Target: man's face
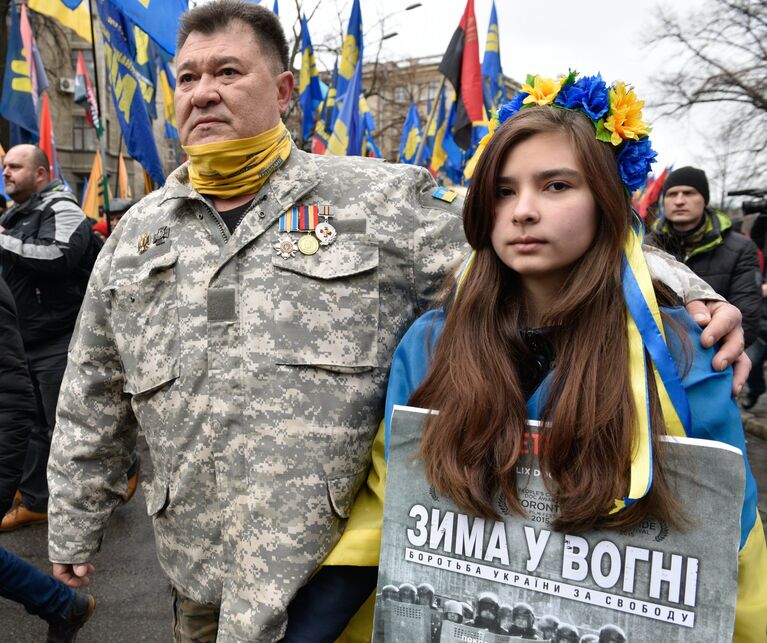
x,y
22,178
684,206
227,89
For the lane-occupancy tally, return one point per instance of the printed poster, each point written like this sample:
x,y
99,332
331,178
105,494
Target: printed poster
x,y
446,576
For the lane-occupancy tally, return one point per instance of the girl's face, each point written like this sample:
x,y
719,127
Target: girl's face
x,y
545,213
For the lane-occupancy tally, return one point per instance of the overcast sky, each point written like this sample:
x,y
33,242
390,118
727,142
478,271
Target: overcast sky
x,y
543,36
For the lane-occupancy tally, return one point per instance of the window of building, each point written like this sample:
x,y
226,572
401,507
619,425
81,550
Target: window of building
x,y
83,135
401,94
430,90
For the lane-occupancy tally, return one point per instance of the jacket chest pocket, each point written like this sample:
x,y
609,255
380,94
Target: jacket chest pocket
x,y
326,306
145,322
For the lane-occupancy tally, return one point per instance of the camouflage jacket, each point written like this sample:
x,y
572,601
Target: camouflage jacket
x,y
258,380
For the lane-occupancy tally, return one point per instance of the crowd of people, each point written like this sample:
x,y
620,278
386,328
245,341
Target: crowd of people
x,y
483,612
251,348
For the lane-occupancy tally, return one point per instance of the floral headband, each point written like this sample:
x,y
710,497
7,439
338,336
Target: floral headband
x,y
615,111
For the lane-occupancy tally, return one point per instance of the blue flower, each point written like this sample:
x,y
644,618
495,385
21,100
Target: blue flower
x,y
588,94
634,162
508,110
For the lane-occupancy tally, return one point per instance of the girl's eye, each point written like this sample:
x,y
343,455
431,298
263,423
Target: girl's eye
x,y
503,192
557,186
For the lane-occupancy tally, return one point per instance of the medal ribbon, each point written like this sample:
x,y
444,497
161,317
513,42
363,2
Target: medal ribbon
x,y
301,218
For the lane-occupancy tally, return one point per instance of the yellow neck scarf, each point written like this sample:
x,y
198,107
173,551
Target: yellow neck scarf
x,y
227,169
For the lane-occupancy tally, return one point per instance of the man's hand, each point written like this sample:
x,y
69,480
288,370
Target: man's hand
x,y
722,323
2,229
73,574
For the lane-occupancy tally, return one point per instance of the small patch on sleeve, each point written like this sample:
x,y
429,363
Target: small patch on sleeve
x,y
444,194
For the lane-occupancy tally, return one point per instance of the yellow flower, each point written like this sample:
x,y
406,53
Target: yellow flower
x,y
625,117
543,91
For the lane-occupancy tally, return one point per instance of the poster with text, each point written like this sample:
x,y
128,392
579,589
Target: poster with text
x,y
446,576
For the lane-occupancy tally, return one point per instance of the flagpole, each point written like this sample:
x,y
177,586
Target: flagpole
x,y
428,123
102,118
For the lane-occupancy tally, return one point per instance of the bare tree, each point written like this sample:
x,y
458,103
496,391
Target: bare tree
x,y
719,53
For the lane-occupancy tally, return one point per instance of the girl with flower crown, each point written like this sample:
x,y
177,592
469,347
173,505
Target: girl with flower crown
x,y
550,321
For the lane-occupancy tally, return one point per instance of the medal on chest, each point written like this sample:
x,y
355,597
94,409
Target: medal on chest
x,y
305,221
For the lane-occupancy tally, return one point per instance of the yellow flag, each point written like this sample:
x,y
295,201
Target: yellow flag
x,y
94,195
78,20
123,189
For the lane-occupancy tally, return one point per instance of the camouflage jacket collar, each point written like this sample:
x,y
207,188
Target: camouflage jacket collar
x,y
287,185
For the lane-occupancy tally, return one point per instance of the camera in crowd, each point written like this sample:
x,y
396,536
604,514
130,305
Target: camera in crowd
x,y
758,205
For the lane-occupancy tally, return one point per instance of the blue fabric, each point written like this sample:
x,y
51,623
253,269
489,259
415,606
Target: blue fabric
x,y
124,82
715,415
159,18
37,592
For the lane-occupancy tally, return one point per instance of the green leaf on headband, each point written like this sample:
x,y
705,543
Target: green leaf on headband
x,y
570,78
530,80
603,134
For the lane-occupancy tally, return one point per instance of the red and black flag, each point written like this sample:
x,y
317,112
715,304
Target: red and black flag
x,y
460,65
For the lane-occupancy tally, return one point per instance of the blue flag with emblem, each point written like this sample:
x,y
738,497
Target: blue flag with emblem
x,y
309,90
348,130
411,136
493,86
143,51
126,90
159,18
351,54
17,103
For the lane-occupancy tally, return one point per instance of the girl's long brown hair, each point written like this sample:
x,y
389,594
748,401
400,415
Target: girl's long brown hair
x,y
470,449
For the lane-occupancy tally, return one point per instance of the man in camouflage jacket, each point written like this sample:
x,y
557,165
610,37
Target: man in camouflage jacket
x,y
256,373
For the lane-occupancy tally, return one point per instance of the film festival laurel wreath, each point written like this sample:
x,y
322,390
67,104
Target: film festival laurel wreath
x,y
450,577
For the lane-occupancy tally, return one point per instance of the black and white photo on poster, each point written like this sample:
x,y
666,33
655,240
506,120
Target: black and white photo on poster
x,y
448,576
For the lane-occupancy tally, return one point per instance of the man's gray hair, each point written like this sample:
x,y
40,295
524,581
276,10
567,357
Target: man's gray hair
x,y
215,16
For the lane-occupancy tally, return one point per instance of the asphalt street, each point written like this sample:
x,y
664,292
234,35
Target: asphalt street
x,y
133,596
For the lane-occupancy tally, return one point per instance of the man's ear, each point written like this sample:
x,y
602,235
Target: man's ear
x,y
42,175
285,84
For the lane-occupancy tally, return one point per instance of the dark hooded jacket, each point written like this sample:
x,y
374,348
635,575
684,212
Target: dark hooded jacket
x,y
45,260
17,401
725,259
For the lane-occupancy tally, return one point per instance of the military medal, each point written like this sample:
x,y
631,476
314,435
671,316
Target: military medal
x,y
143,243
308,244
301,218
286,246
325,232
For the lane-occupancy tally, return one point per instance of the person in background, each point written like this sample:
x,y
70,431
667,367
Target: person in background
x,y
65,610
703,238
44,258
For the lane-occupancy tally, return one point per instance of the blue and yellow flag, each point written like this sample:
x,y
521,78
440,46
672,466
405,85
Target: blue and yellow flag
x,y
143,51
168,85
412,135
309,91
73,14
439,155
348,130
351,54
159,18
125,83
493,86
17,103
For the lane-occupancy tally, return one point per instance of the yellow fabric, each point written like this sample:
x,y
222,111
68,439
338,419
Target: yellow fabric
x,y
94,195
751,608
360,543
227,169
123,188
78,20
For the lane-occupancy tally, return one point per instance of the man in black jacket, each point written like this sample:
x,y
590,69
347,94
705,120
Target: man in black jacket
x,y
44,258
64,609
703,238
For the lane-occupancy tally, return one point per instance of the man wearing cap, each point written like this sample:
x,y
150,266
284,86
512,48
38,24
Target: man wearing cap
x,y
703,238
